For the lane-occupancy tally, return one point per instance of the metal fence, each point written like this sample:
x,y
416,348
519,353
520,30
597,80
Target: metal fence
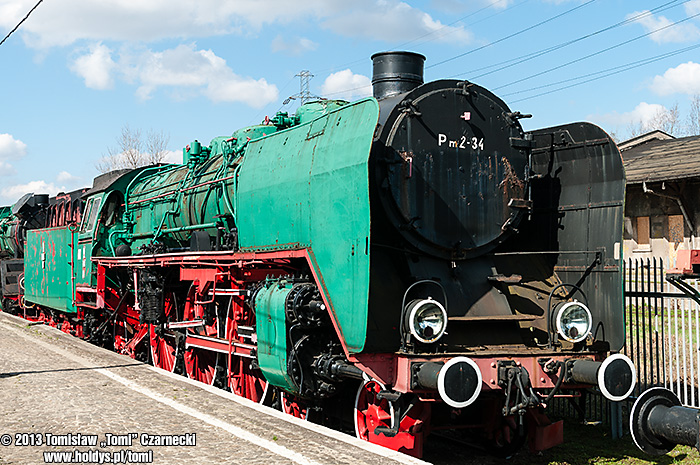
x,y
663,329
663,341
644,318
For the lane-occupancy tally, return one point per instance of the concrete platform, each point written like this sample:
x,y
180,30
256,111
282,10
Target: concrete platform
x,y
55,388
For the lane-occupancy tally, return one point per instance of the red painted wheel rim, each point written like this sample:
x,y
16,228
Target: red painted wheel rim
x,y
371,412
245,383
163,349
164,346
200,364
243,380
293,406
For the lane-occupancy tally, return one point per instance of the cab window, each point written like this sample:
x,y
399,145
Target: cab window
x,y
93,207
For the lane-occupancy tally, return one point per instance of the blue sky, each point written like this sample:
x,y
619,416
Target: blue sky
x,y
77,71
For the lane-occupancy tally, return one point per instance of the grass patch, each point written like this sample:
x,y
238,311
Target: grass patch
x,y
586,444
583,445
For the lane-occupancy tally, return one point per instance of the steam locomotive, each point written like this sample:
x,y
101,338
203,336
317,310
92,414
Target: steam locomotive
x,y
400,264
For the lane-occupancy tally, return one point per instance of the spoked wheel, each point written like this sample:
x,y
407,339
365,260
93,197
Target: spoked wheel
x,y
244,380
294,406
11,306
163,347
164,342
372,412
200,364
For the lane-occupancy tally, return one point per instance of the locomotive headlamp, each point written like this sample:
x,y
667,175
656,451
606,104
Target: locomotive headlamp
x,y
426,319
573,321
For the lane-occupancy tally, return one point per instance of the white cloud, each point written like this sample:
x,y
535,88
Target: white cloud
x,y
66,177
346,85
173,156
684,32
683,79
451,6
96,67
62,23
11,148
293,45
6,169
67,21
184,70
644,113
201,71
692,7
13,193
390,21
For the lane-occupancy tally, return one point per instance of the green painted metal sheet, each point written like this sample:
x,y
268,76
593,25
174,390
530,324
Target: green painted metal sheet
x,y
272,337
308,187
7,248
47,268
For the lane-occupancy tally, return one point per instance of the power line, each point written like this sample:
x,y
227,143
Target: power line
x,y
436,31
20,23
348,90
596,53
510,36
530,56
615,69
603,74
461,20
523,58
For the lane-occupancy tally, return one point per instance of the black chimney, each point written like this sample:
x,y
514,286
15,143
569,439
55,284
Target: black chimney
x,y
396,72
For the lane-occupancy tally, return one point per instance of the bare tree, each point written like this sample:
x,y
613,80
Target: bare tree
x,y
635,129
133,152
693,119
666,120
156,146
